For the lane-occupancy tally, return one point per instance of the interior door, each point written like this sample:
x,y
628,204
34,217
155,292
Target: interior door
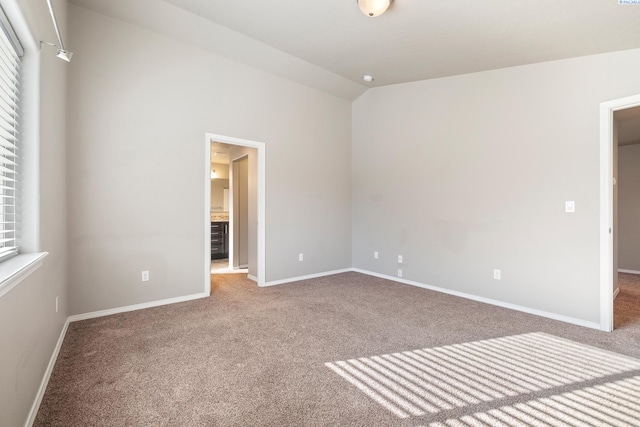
x,y
241,212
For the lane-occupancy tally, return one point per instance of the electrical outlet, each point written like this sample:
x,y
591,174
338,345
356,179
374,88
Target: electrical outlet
x,y
375,254
145,276
57,305
497,274
399,259
399,273
300,257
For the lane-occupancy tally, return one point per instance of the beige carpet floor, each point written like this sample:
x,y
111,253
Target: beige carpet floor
x,y
345,350
221,266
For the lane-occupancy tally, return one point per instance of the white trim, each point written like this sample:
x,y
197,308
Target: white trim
x,y
261,226
554,316
606,205
254,278
16,269
135,307
621,270
207,217
616,292
308,276
47,375
231,212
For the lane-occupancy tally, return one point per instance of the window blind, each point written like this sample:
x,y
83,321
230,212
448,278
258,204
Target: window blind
x,y
10,59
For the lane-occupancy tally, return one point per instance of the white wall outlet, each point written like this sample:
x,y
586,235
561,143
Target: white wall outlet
x,y
375,254
57,304
570,206
300,257
399,272
399,259
145,276
497,274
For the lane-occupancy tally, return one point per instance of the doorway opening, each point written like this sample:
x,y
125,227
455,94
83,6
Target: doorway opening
x,y
620,115
234,208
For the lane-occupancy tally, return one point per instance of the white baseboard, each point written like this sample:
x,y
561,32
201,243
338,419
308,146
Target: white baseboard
x,y
308,276
620,270
554,316
47,375
254,278
616,292
135,307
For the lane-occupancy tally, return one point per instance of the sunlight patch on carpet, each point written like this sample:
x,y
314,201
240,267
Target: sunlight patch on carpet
x,y
428,381
612,404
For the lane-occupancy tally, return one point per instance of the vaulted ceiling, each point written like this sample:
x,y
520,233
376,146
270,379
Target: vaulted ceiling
x,y
423,39
414,40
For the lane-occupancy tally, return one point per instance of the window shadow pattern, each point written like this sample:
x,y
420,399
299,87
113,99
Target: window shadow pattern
x,y
477,375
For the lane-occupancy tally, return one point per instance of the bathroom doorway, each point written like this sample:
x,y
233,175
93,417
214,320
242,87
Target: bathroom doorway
x,y
235,208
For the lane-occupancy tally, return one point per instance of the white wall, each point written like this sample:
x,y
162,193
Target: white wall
x,y
484,164
140,104
629,207
29,325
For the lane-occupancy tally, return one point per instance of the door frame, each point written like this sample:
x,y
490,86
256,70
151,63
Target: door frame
x,y
606,205
261,226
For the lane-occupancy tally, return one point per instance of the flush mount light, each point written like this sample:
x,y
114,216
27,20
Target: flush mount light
x,y
367,78
373,8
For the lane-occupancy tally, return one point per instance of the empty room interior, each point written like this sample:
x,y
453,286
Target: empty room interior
x,y
310,213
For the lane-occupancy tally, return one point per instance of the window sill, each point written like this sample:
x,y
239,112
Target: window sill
x,y
14,270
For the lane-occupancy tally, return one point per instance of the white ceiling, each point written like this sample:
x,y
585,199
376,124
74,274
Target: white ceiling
x,y
423,39
220,153
330,44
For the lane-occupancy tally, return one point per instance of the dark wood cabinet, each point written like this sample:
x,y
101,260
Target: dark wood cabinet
x,y
219,239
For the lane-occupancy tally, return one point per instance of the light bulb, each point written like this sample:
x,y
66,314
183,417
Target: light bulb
x,y
373,8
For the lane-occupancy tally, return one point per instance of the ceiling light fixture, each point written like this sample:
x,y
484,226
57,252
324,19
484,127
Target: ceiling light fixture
x,y
367,78
62,52
373,8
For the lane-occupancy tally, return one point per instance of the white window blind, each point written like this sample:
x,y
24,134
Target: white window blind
x,y
10,54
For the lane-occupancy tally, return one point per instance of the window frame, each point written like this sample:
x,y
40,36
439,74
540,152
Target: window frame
x,y
30,256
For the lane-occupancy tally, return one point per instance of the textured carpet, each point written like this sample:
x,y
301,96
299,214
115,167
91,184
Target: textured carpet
x,y
264,356
430,381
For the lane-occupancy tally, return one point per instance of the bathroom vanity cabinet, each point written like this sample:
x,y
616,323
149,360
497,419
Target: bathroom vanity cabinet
x,y
219,239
